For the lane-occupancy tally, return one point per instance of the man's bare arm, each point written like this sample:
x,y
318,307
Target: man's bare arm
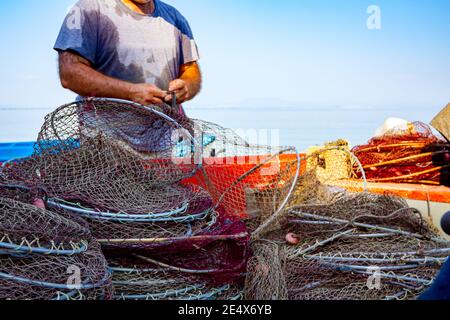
x,y
189,83
77,74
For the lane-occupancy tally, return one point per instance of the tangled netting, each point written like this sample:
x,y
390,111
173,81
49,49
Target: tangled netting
x,y
333,244
155,187
414,155
214,271
252,182
47,256
143,203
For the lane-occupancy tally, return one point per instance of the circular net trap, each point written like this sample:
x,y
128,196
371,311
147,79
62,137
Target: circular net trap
x,y
109,155
27,229
49,277
120,166
332,243
415,155
47,256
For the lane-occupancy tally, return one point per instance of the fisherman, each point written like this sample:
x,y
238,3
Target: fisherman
x,y
138,50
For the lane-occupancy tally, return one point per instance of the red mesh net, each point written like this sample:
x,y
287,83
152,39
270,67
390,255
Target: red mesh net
x,y
414,155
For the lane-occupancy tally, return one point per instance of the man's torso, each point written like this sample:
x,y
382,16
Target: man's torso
x,y
131,46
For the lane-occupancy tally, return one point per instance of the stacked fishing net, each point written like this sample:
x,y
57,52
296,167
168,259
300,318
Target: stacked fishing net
x,y
121,166
414,155
44,255
249,182
333,244
88,162
153,185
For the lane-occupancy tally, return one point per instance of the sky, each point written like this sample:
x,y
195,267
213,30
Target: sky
x,y
263,53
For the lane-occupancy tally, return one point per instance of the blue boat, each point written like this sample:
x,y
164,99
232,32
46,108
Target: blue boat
x,y
15,150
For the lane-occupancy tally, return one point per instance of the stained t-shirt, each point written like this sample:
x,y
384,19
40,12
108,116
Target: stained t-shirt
x,y
127,45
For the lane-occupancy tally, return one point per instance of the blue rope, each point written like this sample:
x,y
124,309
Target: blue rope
x,y
177,294
128,270
53,285
123,217
46,251
156,296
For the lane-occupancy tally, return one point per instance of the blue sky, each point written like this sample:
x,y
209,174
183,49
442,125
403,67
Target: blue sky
x,y
265,53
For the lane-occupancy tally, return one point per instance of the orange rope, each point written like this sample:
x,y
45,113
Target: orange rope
x,y
423,182
409,176
412,145
401,160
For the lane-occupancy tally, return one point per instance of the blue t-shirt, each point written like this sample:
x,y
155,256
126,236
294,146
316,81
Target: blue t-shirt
x,y
127,45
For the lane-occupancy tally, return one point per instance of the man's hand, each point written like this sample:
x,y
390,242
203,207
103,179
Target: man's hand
x,y
181,89
188,85
146,94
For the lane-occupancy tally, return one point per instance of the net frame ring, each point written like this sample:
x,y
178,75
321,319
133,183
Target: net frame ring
x,y
195,150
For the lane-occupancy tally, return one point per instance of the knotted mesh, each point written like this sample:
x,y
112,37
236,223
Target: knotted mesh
x,y
26,228
53,277
154,186
45,255
333,244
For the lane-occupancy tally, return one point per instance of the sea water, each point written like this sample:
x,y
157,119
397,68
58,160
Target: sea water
x,y
296,126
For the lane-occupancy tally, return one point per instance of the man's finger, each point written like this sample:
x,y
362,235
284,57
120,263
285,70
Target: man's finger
x,y
180,94
176,85
157,92
183,97
168,97
156,101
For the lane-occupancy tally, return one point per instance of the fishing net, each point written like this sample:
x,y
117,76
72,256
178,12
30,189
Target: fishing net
x,y
332,243
160,284
118,165
245,180
110,155
165,197
325,172
50,277
149,230
265,272
150,182
415,155
26,228
116,161
90,159
216,271
47,256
